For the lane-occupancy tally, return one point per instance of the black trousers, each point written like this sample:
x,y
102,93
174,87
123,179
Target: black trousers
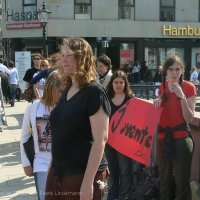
x,y
180,166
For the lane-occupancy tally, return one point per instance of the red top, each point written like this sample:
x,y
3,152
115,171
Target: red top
x,y
172,115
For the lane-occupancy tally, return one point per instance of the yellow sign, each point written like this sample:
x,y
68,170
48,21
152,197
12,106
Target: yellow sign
x,y
182,31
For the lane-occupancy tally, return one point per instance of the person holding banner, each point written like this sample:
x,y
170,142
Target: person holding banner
x,y
120,166
177,97
79,123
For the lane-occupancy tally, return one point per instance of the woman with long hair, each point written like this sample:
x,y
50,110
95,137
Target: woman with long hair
x,y
177,97
120,166
79,125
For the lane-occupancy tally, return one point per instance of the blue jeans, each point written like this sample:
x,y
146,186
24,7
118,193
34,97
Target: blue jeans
x,y
40,183
120,179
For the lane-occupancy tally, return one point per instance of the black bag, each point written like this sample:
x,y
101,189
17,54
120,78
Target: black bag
x,y
18,93
29,149
29,94
147,189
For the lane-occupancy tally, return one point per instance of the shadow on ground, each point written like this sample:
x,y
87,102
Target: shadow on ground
x,y
10,154
18,118
11,188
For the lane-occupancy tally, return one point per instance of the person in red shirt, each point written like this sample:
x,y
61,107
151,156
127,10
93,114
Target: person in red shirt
x,y
177,97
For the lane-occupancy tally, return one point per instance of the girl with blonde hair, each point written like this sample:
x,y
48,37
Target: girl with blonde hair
x,y
36,118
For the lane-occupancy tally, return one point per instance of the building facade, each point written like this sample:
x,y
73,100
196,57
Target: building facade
x,y
124,29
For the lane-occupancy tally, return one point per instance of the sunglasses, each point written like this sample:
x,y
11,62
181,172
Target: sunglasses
x,y
36,58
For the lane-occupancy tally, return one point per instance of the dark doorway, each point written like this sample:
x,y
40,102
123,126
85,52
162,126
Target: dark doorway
x,y
113,52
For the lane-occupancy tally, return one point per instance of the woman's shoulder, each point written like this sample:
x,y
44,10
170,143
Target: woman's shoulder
x,y
189,89
95,89
188,84
94,85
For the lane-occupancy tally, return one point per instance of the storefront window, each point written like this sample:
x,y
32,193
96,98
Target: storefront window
x,y
127,54
195,58
178,51
152,57
156,56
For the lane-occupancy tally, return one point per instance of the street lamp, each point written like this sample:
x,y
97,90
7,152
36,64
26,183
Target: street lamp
x,y
43,16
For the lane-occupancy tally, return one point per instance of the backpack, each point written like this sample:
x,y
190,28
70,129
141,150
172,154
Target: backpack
x,y
5,84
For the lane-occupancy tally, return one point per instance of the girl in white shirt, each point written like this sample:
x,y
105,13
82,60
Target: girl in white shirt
x,y
37,117
14,82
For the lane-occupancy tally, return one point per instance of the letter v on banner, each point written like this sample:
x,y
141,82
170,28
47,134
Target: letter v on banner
x,y
132,129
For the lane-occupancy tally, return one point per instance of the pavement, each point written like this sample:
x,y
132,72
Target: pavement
x,y
14,185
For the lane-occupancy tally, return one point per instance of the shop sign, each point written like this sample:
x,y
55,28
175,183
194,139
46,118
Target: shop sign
x,y
22,63
180,31
29,25
22,16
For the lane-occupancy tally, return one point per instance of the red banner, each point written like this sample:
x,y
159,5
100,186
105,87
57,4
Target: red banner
x,y
132,129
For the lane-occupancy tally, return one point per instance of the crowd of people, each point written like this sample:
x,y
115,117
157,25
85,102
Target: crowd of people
x,y
76,97
9,81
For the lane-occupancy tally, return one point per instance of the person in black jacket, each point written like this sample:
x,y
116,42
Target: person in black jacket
x,y
30,72
54,62
158,75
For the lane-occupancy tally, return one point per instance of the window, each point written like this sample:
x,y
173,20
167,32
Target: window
x,y
127,53
199,10
83,9
126,9
29,5
157,56
167,10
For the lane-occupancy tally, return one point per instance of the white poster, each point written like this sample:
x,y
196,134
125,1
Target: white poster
x,y
22,63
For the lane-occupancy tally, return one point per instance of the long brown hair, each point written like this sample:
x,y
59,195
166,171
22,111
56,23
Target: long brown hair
x,y
127,89
170,60
86,65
